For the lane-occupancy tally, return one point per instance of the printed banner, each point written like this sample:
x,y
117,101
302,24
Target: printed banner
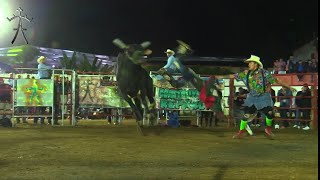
x,y
34,92
100,91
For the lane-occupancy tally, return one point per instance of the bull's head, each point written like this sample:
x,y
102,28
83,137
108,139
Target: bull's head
x,y
134,51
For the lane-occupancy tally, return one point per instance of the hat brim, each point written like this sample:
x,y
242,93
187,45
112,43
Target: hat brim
x,y
169,52
41,59
252,60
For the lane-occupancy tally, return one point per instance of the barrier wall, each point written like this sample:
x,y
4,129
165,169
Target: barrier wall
x,y
100,91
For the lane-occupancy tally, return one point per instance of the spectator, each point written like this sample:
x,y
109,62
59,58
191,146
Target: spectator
x,y
238,101
290,65
173,119
284,105
207,116
43,72
300,69
256,121
311,67
5,91
276,67
303,100
281,66
107,112
11,80
56,102
273,94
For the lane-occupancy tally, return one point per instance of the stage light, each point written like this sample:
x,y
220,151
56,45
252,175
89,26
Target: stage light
x,y
5,11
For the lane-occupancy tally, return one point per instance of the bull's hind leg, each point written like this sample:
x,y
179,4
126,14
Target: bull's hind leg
x,y
136,112
149,111
152,104
139,112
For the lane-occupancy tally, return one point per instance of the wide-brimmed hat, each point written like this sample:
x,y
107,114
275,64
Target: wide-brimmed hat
x,y
256,59
169,51
41,59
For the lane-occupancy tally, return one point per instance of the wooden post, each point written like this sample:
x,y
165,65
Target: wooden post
x,y
231,96
314,105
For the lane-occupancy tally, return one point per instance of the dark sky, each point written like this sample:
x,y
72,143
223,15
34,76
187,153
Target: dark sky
x,y
219,28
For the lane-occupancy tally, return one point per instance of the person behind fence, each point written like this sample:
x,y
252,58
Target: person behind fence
x,y
5,91
303,100
56,102
300,70
238,101
290,65
107,112
173,119
285,102
311,68
207,116
258,82
43,69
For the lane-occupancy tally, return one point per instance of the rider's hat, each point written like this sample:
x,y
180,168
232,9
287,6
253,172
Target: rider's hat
x,y
41,59
169,51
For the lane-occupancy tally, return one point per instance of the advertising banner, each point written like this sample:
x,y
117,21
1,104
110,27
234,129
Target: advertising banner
x,y
99,91
34,92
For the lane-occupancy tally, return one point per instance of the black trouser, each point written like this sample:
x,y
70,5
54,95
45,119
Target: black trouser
x,y
41,110
108,112
208,116
306,116
265,110
284,115
55,114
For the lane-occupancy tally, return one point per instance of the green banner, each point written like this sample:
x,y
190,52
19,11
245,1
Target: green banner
x,y
185,99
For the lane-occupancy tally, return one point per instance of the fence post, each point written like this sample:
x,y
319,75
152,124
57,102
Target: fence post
x,y
231,94
314,107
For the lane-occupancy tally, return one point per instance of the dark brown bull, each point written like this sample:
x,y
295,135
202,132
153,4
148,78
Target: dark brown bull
x,y
134,83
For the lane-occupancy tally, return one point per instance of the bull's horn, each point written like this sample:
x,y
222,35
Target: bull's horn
x,y
145,44
147,52
120,44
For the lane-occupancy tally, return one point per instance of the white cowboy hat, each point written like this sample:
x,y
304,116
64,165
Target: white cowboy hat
x,y
41,59
256,59
169,51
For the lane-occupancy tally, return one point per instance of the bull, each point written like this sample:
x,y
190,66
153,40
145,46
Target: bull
x,y
135,85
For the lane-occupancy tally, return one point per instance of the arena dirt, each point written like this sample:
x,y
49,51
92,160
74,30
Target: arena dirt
x,y
95,150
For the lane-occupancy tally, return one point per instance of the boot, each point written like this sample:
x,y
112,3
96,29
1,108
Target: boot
x,y
239,135
268,132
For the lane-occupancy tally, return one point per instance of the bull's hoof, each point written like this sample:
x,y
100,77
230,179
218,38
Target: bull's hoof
x,y
139,130
157,131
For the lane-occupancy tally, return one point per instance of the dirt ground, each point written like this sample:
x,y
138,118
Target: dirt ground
x,y
95,150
